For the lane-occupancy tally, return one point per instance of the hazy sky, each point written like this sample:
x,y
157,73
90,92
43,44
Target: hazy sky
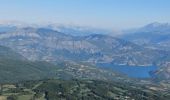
x,y
118,14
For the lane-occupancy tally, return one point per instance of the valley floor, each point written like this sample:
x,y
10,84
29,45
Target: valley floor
x,y
80,90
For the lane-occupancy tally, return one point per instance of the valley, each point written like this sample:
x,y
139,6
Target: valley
x,y
35,61
84,50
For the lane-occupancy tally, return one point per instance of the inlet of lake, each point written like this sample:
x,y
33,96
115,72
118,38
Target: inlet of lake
x,y
131,71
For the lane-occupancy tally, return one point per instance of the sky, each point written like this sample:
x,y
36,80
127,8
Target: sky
x,y
111,14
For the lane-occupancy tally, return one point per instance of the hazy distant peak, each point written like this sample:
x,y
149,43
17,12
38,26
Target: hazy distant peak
x,y
155,27
157,24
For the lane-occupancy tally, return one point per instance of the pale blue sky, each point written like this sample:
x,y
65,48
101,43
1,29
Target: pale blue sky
x,y
115,14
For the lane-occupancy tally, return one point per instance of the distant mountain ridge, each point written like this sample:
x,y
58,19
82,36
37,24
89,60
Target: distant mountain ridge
x,y
154,35
46,44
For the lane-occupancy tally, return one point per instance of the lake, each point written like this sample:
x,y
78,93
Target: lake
x,y
131,71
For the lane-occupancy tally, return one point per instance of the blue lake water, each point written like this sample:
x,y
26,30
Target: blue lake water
x,y
131,71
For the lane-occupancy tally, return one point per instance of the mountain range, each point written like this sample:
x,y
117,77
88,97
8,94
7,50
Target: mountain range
x,y
53,46
50,45
155,35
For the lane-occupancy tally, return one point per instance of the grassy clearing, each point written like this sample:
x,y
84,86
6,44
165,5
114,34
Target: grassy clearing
x,y
25,97
3,98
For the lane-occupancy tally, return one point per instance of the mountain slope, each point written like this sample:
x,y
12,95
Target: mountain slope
x,y
163,74
154,35
50,45
7,53
14,68
17,70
